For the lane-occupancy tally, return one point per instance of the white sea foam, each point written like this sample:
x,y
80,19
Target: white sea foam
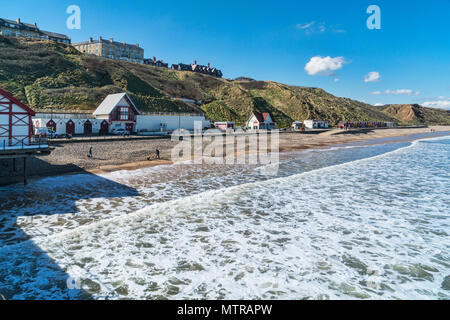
x,y
371,228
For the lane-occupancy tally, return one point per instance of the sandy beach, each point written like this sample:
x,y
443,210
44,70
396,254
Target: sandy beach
x,y
111,156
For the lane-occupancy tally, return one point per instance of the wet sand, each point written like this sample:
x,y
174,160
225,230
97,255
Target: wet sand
x,y
111,156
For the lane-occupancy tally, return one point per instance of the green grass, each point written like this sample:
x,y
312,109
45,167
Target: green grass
x,y
40,72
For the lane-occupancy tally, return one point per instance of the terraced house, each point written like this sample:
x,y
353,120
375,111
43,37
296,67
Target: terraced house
x,y
156,63
211,71
112,49
18,29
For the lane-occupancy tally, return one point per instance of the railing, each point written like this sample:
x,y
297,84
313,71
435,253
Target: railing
x,y
177,114
35,142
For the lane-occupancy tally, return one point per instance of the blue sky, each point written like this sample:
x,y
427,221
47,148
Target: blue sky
x,y
408,58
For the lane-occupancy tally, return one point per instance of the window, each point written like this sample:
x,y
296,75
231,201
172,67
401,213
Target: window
x,y
123,113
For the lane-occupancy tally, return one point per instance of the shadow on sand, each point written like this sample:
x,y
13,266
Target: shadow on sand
x,y
26,271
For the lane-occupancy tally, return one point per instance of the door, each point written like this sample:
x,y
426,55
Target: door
x,y
87,127
104,127
129,127
52,125
70,127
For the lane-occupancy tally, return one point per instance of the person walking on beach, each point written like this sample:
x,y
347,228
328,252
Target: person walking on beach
x,y
158,154
90,153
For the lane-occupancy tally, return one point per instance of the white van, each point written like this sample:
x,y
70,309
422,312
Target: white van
x,y
44,132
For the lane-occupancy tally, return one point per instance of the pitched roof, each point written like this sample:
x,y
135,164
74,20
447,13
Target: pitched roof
x,y
17,102
55,35
33,27
20,25
112,101
261,117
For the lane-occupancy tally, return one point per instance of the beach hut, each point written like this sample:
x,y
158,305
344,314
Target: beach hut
x,y
70,127
15,121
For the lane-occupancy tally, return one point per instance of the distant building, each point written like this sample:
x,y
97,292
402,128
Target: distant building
x,y
15,121
112,49
166,122
365,124
297,125
18,29
224,126
316,124
247,79
119,110
156,63
208,70
260,121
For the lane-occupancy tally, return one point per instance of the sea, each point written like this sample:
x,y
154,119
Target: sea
x,y
363,220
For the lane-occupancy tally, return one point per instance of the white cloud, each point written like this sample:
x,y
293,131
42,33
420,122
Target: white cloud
x,y
326,66
306,25
336,80
443,103
318,27
373,76
408,92
378,104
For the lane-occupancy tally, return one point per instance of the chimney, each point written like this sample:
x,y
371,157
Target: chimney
x,y
195,62
111,40
18,20
100,38
154,59
137,45
91,40
209,65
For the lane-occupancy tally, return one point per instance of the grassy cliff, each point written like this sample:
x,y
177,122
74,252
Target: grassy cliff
x,y
41,72
416,114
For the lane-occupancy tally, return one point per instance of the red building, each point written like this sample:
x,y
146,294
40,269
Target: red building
x,y
16,127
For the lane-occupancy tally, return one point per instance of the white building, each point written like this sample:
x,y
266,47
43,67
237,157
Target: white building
x,y
68,123
297,125
224,126
170,122
316,124
117,111
15,121
260,121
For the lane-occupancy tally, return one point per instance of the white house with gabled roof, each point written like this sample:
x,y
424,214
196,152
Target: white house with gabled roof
x,y
260,121
120,112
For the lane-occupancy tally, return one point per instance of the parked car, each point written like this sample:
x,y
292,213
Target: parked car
x,y
121,132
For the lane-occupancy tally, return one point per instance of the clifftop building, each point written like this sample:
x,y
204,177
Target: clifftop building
x,y
156,63
18,29
112,49
198,68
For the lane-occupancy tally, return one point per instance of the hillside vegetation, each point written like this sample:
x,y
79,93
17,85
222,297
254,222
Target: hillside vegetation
x,y
41,73
416,114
